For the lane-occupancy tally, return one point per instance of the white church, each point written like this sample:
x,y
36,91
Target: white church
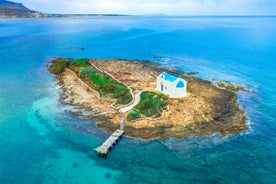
x,y
171,85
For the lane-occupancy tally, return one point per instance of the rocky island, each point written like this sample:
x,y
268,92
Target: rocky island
x,y
108,90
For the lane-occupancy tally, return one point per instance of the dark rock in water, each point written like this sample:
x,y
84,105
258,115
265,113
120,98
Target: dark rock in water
x,y
76,48
76,113
49,166
191,73
74,164
107,175
229,86
157,57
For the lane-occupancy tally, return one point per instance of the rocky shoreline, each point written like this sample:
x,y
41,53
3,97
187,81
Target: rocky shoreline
x,y
207,109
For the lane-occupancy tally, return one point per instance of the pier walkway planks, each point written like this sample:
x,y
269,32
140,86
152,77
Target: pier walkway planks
x,y
110,142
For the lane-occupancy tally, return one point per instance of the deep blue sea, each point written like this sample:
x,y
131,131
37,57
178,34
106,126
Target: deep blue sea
x,y
42,143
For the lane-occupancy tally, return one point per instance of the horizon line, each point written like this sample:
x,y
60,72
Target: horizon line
x,y
156,15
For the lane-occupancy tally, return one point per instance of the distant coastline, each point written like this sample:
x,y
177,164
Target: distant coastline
x,y
208,107
9,9
47,15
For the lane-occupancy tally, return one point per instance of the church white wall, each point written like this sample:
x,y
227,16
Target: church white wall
x,y
170,88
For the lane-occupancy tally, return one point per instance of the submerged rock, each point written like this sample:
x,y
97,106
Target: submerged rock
x,y
230,86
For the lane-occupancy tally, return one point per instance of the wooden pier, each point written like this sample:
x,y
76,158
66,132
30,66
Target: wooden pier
x,y
109,143
112,140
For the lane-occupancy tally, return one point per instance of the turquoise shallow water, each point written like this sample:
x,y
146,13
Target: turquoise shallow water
x,y
42,143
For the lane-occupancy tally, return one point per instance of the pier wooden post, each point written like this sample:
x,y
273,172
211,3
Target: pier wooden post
x,y
122,123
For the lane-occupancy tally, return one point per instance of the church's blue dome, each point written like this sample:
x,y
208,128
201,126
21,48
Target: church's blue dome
x,y
180,84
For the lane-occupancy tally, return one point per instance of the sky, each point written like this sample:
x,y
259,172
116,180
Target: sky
x,y
142,7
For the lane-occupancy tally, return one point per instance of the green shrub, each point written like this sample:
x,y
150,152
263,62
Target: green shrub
x,y
103,83
58,66
134,114
125,99
80,62
151,105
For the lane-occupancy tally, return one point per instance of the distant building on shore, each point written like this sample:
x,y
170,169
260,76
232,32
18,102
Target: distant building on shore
x,y
174,86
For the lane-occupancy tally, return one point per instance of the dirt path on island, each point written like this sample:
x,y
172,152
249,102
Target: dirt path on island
x,y
131,106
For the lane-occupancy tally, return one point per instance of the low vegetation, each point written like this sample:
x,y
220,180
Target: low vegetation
x,y
151,105
58,66
106,86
